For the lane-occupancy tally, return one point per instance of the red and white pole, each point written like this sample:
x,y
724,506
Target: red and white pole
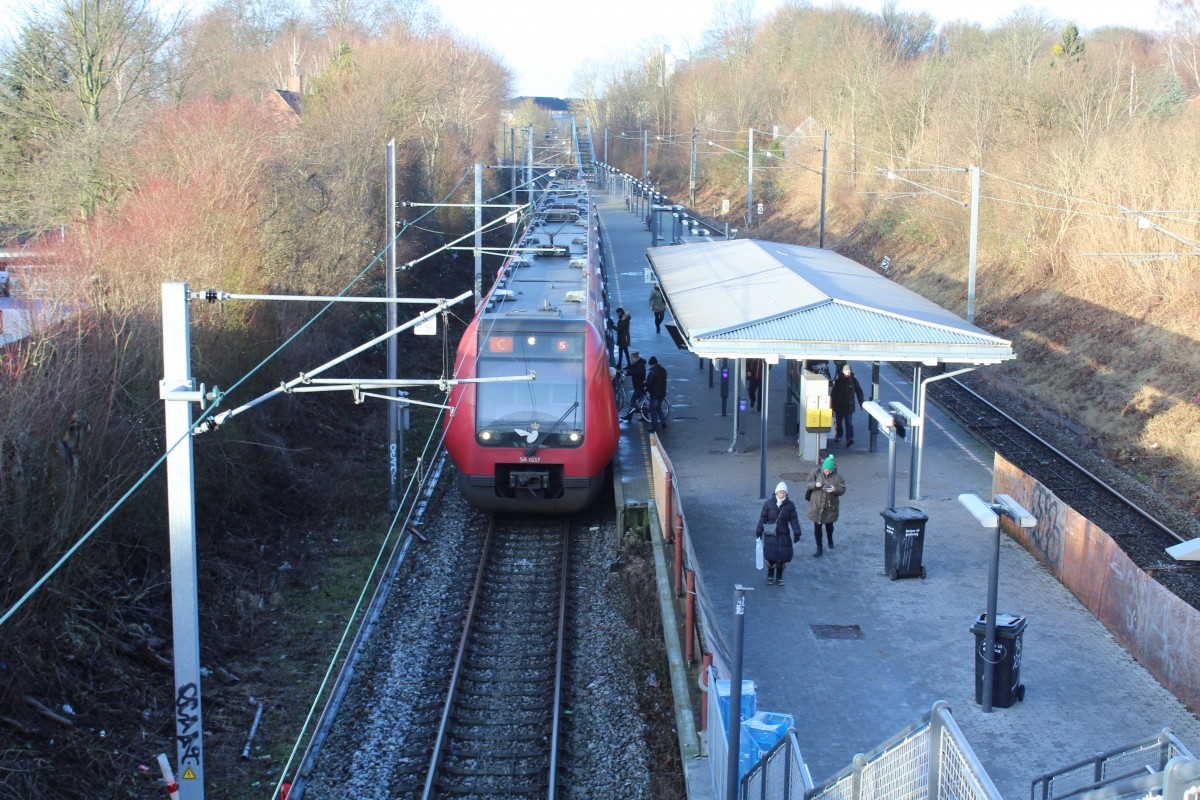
x,y
168,776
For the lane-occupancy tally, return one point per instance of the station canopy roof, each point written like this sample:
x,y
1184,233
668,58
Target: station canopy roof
x,y
747,298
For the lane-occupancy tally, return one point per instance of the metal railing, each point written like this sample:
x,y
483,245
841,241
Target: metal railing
x,y
1143,762
930,759
781,774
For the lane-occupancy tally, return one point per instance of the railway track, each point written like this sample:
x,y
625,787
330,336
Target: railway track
x,y
1142,536
499,730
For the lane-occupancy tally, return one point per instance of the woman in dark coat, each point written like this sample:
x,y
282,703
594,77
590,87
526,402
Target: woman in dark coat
x,y
777,517
827,488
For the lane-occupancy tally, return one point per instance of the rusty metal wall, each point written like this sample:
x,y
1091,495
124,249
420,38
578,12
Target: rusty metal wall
x,y
1156,627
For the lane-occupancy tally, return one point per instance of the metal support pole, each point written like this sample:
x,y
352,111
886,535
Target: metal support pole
x,y
750,179
824,174
871,427
605,145
692,177
529,167
916,438
392,319
735,693
478,233
512,162
178,393
974,244
989,644
645,154
891,503
764,387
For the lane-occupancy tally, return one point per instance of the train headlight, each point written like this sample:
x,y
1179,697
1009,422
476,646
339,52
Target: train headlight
x,y
574,436
531,341
485,435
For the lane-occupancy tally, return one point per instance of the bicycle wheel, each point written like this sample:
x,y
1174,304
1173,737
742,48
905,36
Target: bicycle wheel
x,y
644,409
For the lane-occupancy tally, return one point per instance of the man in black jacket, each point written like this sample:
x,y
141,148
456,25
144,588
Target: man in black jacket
x,y
623,320
636,370
656,385
842,396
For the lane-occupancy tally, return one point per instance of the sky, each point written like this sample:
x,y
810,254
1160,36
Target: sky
x,y
616,27
545,56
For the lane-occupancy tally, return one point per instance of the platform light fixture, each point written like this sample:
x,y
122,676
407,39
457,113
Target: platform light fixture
x,y
988,515
887,425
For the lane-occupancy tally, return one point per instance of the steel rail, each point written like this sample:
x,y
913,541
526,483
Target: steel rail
x,y
478,598
1097,479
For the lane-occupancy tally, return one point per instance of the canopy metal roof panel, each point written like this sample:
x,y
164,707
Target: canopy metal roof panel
x,y
755,298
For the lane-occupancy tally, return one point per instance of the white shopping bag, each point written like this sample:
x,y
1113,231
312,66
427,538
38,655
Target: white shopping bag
x,y
758,553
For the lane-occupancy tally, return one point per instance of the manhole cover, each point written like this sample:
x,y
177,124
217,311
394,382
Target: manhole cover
x,y
836,631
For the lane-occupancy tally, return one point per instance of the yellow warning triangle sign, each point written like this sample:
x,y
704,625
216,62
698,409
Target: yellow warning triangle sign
x,y
188,775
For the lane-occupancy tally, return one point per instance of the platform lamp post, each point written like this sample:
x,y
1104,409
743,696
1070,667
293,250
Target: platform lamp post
x,y
888,427
735,693
988,515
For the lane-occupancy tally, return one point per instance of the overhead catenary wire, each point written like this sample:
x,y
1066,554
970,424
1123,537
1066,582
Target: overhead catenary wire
x,y
203,417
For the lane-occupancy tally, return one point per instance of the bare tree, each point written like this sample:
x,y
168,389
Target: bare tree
x,y
101,55
1183,42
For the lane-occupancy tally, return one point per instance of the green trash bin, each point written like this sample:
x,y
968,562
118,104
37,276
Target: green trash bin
x,y
903,542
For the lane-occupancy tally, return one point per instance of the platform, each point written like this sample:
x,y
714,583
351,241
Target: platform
x,y
851,654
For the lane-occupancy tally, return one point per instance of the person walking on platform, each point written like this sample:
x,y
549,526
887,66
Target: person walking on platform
x,y
825,488
843,394
636,370
778,527
623,320
656,386
754,376
658,304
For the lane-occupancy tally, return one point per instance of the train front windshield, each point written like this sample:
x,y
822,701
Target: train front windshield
x,y
548,409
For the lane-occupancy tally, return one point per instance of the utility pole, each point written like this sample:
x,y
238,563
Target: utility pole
x,y
529,165
824,174
395,440
974,244
750,180
692,178
512,162
178,392
606,146
645,155
478,234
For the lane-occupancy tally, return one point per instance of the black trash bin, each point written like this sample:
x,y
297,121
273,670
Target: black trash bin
x,y
903,542
1006,656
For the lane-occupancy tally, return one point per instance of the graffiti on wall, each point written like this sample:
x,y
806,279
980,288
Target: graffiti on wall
x,y
1156,627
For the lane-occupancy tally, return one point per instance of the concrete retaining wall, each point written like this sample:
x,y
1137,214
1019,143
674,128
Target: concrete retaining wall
x,y
1156,627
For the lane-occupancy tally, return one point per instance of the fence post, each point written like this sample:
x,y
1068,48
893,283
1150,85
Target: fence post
x,y
679,555
937,729
668,515
689,635
860,763
705,666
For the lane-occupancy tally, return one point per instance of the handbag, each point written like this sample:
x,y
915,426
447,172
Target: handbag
x,y
758,553
808,495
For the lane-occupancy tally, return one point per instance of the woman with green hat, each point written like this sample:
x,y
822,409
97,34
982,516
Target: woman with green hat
x,y
825,487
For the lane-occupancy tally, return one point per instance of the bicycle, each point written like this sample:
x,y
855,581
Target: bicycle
x,y
622,396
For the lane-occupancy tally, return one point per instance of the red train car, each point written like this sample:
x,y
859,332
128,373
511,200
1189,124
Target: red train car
x,y
540,444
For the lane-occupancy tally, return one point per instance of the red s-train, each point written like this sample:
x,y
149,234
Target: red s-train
x,y
542,444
